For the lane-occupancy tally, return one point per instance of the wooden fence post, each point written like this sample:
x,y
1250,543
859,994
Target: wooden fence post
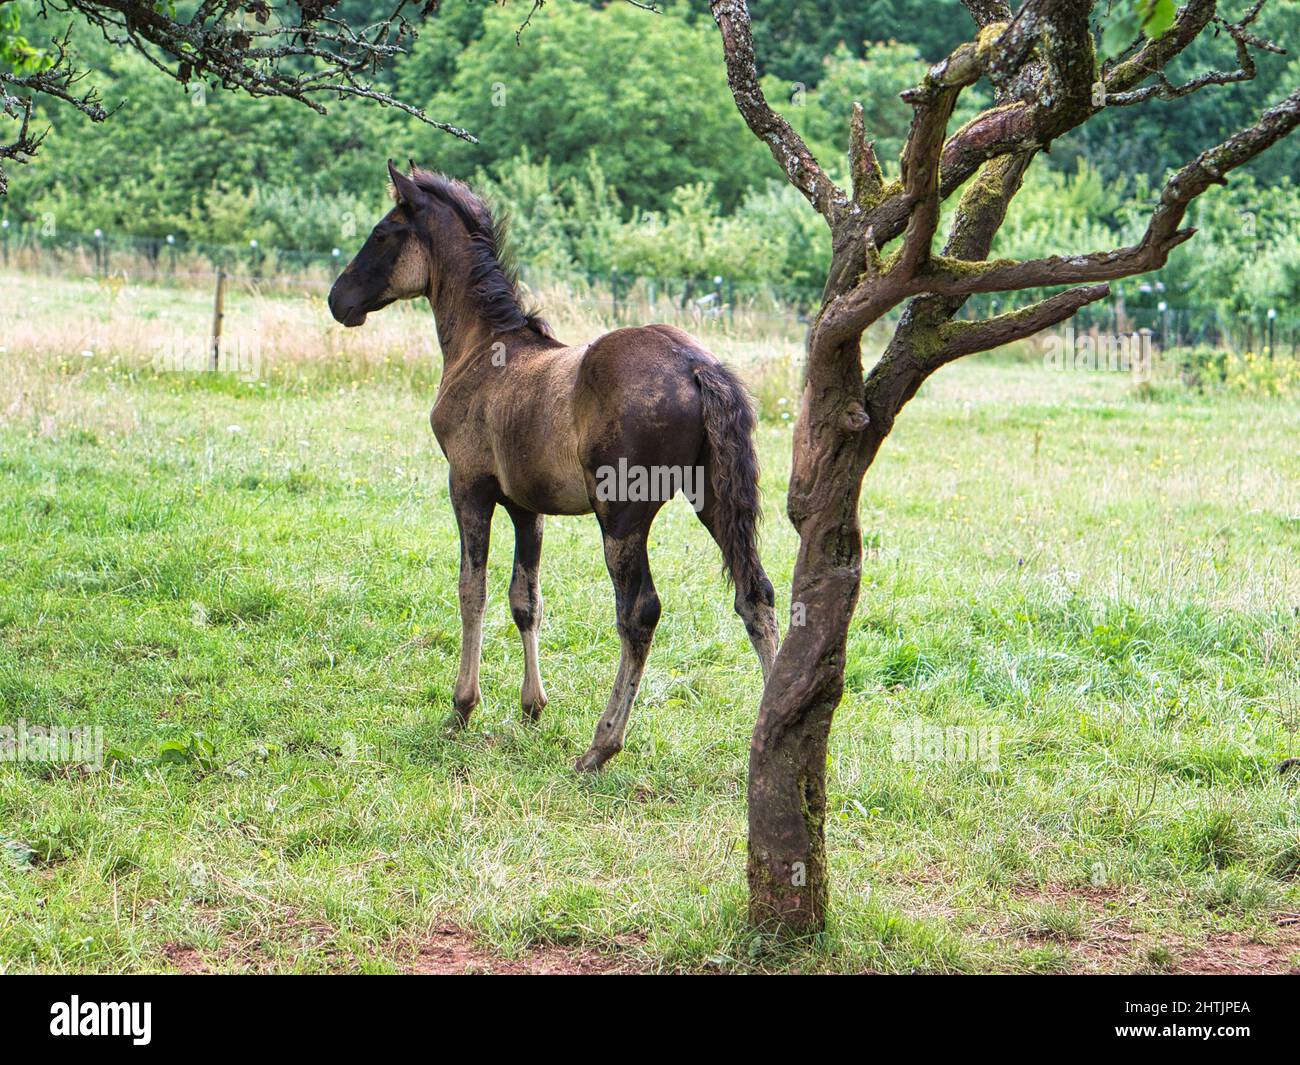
x,y
218,312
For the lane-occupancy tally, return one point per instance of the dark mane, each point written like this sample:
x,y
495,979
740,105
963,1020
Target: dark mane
x,y
493,276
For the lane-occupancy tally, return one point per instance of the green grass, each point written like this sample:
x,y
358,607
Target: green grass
x,y
252,589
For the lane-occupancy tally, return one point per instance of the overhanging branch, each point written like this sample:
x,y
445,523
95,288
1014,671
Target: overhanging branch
x,y
297,51
1033,122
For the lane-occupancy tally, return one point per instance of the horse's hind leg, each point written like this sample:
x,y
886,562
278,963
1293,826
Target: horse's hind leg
x,y
626,527
526,604
755,599
474,519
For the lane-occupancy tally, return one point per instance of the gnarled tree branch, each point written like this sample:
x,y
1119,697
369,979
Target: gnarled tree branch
x,y
1162,234
967,338
1164,89
933,100
792,155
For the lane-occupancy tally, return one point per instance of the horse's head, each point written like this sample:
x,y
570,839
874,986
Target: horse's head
x,y
393,264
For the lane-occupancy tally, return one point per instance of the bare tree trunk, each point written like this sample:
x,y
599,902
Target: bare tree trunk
x,y
787,759
1046,79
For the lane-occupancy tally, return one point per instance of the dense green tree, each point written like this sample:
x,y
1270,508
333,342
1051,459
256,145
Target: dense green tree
x,y
594,145
645,92
459,23
793,38
171,150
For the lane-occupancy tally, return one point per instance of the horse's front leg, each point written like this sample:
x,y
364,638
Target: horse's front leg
x,y
526,604
474,520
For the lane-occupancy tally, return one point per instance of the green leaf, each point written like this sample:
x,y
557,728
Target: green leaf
x,y
194,750
1119,33
1133,18
18,854
173,751
1159,18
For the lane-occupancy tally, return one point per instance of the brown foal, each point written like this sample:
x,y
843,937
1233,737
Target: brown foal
x,y
615,427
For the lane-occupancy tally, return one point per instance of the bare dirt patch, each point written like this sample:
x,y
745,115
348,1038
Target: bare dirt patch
x,y
271,941
448,950
1113,939
1234,954
260,954
186,960
1107,939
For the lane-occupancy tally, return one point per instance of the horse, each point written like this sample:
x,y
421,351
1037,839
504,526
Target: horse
x,y
613,427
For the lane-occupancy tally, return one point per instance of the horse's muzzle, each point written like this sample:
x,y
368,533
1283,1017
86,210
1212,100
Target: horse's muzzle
x,y
345,311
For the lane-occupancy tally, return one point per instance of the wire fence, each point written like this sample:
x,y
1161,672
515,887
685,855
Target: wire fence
x,y
621,298
164,259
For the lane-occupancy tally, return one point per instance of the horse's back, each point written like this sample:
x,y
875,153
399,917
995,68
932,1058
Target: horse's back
x,y
643,353
561,413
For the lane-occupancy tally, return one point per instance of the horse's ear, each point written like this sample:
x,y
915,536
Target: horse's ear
x,y
405,190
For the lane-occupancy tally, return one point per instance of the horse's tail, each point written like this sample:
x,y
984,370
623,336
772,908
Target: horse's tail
x,y
733,462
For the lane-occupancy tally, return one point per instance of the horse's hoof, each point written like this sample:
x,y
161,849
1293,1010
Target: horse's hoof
x,y
455,721
532,712
588,763
593,761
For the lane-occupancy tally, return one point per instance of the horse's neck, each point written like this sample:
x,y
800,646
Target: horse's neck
x,y
462,331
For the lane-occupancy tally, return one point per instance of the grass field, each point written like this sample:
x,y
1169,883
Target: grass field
x,y
251,587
